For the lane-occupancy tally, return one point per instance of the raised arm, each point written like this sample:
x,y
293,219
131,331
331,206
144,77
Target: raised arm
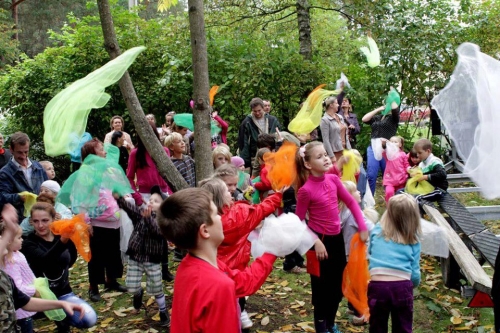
x,y
368,117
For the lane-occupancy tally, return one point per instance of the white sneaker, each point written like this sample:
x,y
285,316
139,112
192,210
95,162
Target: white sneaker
x,y
246,322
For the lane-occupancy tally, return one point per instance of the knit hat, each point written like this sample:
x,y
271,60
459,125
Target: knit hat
x,y
52,185
237,161
156,189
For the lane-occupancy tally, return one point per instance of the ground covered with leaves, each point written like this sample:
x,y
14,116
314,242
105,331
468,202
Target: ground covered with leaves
x,y
283,303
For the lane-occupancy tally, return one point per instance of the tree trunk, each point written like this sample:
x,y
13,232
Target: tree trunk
x,y
163,163
304,22
201,112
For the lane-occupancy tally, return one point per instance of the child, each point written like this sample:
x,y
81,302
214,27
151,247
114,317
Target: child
x,y
221,155
49,169
229,175
18,269
318,194
145,250
432,168
349,228
263,185
11,298
48,193
238,220
243,177
264,140
184,163
413,159
394,255
396,169
205,288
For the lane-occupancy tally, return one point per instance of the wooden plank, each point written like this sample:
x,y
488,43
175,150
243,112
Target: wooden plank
x,y
474,273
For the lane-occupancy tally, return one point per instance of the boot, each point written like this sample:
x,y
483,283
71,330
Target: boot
x,y
320,326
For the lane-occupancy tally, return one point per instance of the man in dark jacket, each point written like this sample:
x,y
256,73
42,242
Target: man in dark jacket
x,y
20,173
254,124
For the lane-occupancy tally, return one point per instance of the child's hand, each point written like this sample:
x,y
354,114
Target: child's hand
x,y
363,235
320,249
283,189
37,294
71,307
147,211
58,217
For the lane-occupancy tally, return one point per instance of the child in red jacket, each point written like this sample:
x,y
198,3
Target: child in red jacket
x,y
263,185
238,220
204,285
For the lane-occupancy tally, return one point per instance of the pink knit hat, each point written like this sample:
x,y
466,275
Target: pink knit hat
x,y
237,161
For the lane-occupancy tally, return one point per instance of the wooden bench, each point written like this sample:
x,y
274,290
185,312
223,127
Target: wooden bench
x,y
471,268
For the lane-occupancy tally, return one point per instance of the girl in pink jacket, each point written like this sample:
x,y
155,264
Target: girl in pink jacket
x,y
396,168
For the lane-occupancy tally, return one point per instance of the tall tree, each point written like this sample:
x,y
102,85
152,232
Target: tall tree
x,y
164,165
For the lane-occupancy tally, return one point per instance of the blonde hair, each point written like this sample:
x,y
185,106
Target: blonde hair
x,y
45,163
220,150
401,221
424,144
226,170
304,155
261,152
400,139
351,188
222,144
169,139
218,188
117,117
8,257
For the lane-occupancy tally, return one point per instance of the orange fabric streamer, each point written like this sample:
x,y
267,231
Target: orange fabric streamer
x,y
281,166
212,93
356,277
77,230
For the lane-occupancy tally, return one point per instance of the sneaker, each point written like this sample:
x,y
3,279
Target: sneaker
x,y
334,329
358,321
94,295
296,270
246,322
137,302
116,287
164,319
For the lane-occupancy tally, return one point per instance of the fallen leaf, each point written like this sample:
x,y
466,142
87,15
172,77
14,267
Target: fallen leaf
x,y
119,314
456,320
150,301
264,321
284,283
109,295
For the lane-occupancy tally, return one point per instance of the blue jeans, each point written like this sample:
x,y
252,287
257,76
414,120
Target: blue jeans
x,y
373,167
25,325
89,318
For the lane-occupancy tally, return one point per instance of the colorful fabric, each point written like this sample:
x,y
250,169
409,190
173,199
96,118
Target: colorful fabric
x,y
65,116
18,269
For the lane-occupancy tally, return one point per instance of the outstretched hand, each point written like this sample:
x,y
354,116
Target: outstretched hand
x,y
363,235
70,308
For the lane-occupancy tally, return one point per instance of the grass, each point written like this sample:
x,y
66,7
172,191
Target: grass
x,y
283,303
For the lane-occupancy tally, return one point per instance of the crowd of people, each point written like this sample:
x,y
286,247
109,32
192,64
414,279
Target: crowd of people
x,y
208,224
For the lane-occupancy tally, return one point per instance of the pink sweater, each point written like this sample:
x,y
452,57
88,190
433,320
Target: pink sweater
x,y
19,270
224,126
396,171
319,196
145,177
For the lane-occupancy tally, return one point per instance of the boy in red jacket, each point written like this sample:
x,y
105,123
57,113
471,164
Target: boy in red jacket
x,y
206,290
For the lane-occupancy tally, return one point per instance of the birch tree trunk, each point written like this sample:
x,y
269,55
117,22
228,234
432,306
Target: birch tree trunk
x,y
201,112
304,23
163,163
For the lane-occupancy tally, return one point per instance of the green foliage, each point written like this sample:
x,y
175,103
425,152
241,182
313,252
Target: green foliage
x,y
9,50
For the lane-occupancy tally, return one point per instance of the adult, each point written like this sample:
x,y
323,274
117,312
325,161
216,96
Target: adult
x,y
152,121
117,124
351,121
267,106
105,266
382,127
20,173
5,154
52,256
334,130
143,174
117,139
254,124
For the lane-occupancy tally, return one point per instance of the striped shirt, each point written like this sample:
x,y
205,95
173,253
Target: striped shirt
x,y
186,168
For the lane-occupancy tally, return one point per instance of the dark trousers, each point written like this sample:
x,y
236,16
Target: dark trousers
x,y
25,325
495,293
327,288
292,260
393,298
105,264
